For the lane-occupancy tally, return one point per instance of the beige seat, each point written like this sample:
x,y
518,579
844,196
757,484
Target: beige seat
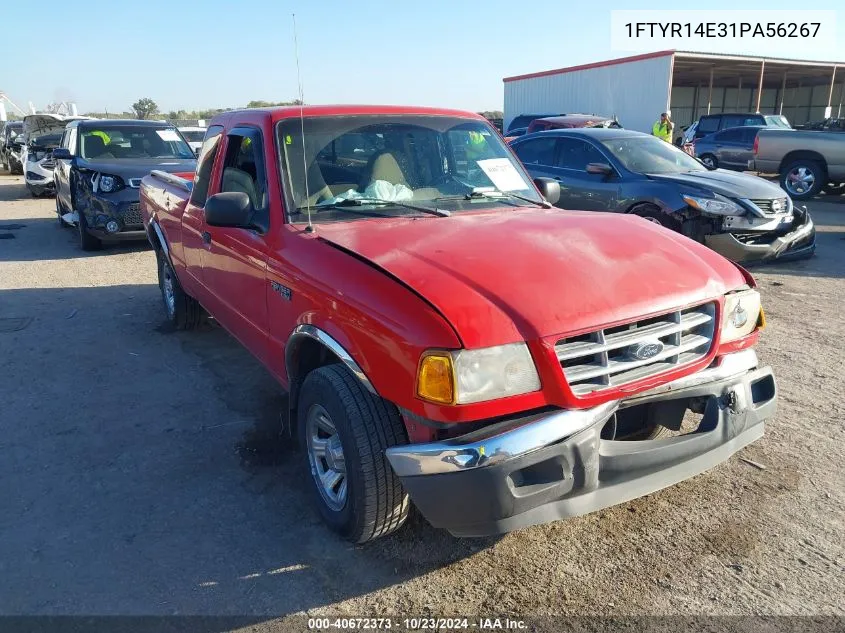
x,y
235,179
386,167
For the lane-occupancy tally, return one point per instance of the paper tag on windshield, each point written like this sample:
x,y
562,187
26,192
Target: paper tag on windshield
x,y
502,174
167,135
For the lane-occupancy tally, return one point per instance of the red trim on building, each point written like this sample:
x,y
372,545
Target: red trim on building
x,y
609,62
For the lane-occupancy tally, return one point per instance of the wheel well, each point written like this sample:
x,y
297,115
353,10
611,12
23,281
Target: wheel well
x,y
307,355
802,154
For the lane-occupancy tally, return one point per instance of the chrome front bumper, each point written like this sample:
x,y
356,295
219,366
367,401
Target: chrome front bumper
x,y
554,465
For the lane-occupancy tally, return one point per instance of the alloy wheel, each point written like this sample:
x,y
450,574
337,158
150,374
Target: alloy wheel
x,y
325,455
800,180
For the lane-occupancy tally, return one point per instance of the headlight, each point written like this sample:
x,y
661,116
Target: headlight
x,y
742,314
477,375
715,206
108,183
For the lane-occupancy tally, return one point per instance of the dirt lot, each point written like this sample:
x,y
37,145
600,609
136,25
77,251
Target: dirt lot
x,y
140,471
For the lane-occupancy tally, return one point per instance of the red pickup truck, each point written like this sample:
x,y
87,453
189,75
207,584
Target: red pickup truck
x,y
446,336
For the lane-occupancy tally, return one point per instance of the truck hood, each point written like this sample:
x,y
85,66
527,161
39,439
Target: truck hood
x,y
726,183
128,168
501,277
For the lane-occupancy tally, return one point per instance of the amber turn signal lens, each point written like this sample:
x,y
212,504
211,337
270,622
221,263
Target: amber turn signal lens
x,y
761,320
435,381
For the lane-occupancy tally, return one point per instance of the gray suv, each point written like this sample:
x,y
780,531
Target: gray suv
x,y
711,123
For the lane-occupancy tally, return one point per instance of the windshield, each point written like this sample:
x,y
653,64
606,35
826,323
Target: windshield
x,y
193,136
133,141
47,140
650,155
777,120
435,162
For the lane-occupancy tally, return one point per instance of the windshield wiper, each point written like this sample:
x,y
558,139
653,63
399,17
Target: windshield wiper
x,y
481,192
360,202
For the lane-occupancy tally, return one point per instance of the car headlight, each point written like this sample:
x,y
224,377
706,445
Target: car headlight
x,y
714,206
476,375
741,315
106,183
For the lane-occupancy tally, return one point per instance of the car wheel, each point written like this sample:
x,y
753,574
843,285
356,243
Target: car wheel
x,y
60,211
803,179
183,311
709,160
87,242
653,213
344,431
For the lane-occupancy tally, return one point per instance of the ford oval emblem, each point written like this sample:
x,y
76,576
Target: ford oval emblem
x,y
645,349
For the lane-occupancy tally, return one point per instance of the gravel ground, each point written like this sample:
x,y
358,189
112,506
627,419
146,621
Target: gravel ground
x,y
140,471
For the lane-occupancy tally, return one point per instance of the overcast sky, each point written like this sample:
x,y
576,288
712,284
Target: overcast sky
x,y
105,55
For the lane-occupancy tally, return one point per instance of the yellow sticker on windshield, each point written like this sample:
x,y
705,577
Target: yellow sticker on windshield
x,y
288,140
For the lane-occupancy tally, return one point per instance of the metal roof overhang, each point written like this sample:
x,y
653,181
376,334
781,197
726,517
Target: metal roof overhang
x,y
693,69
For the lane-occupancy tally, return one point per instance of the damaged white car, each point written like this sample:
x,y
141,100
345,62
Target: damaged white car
x,y
42,133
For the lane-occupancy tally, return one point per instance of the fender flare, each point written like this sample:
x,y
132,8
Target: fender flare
x,y
306,331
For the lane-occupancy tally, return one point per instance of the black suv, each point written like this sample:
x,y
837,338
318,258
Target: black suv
x,y
711,123
99,167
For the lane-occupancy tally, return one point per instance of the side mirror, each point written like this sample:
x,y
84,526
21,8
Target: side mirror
x,y
232,208
62,153
197,152
549,188
599,168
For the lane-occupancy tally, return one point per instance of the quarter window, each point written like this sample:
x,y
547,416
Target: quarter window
x,y
205,164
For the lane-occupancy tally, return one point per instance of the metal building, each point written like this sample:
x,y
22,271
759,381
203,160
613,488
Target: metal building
x,y
637,89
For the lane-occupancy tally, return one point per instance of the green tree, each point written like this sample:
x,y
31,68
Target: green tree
x,y
270,104
145,108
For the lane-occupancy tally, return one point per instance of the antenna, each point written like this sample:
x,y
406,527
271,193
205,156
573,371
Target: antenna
x,y
310,227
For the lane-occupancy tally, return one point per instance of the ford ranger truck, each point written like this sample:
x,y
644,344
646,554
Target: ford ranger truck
x,y
446,336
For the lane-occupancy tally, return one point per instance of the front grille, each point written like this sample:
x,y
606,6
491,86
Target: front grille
x,y
132,217
768,206
622,354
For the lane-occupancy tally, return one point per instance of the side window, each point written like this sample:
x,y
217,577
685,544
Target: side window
x,y
205,163
749,134
243,169
733,135
577,154
707,125
538,151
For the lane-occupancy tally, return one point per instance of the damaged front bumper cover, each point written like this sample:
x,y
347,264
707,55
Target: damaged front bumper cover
x,y
554,465
749,247
122,207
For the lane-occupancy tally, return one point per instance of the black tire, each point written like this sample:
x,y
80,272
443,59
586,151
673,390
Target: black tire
x,y
709,160
812,177
834,189
633,426
60,212
183,312
375,504
87,242
654,214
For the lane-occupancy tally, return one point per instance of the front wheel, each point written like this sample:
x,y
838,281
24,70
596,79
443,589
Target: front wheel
x,y
802,179
87,242
654,214
710,161
345,430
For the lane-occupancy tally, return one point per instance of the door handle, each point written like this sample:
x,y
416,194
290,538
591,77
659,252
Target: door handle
x,y
206,237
